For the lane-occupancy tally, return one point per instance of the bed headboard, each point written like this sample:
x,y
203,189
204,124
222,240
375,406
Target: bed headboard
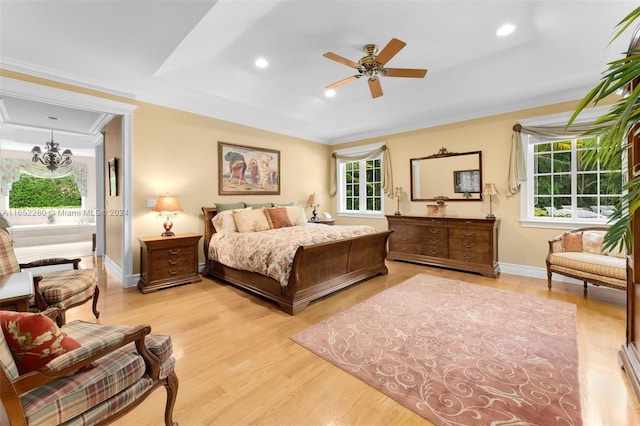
x,y
209,230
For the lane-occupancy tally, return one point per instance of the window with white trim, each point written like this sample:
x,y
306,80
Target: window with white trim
x,y
561,188
359,184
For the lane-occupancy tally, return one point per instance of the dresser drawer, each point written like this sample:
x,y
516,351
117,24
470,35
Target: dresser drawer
x,y
471,256
470,245
470,234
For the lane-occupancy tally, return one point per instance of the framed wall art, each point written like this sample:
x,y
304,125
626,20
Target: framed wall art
x,y
113,176
247,170
466,181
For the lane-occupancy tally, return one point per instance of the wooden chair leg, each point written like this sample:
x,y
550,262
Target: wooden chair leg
x,y
61,319
96,294
585,288
549,279
172,393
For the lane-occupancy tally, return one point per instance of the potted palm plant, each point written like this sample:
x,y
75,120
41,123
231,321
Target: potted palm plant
x,y
613,128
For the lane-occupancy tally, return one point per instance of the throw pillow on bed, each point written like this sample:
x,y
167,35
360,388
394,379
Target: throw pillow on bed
x,y
251,220
296,215
224,223
278,217
34,339
229,206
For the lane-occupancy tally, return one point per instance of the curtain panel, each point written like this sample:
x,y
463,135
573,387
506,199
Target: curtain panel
x,y
387,176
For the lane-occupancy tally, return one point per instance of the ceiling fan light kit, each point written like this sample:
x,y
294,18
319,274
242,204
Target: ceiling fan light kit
x,y
372,66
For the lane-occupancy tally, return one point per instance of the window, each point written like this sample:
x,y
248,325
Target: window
x,y
360,184
561,188
34,192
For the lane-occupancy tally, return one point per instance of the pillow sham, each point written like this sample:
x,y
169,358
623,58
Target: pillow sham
x,y
278,217
251,220
229,206
224,223
297,216
34,339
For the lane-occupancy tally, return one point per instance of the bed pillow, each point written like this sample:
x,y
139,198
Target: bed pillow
x,y
34,339
251,220
224,223
278,217
284,204
297,216
258,205
229,206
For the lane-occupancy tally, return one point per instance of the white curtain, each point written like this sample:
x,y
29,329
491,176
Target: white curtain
x,y
11,168
387,176
517,164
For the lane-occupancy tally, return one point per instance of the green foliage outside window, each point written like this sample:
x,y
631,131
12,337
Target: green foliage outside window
x,y
373,185
33,192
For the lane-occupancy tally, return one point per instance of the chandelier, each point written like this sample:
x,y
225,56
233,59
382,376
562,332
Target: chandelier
x,y
51,157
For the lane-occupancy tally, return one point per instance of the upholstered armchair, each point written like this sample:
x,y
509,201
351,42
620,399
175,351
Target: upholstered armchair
x,y
79,374
61,289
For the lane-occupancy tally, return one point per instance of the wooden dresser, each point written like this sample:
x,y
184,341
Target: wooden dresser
x,y
168,261
458,243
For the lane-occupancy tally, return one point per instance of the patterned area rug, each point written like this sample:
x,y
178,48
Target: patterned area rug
x,y
458,353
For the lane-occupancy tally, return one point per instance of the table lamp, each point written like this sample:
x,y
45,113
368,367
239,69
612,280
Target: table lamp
x,y
490,190
314,201
167,205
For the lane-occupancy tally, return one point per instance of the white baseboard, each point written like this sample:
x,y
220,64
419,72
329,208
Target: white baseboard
x,y
533,272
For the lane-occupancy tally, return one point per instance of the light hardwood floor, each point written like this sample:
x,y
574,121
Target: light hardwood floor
x,y
237,366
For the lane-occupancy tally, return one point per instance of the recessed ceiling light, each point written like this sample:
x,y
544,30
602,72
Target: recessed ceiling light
x,y
506,29
261,63
329,93
53,118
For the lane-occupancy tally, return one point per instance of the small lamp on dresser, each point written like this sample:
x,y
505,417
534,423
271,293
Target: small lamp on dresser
x,y
490,190
168,206
314,201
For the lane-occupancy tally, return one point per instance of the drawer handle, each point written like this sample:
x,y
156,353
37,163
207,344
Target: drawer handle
x,y
173,262
434,251
404,239
174,272
468,234
469,245
434,241
434,231
469,256
176,251
468,222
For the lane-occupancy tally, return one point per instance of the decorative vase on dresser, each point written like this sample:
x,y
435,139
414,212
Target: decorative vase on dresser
x,y
465,244
168,261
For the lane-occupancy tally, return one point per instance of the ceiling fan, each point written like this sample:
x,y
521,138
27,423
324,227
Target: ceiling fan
x,y
372,66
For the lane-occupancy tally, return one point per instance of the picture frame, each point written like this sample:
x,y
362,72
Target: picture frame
x,y
247,170
466,181
113,176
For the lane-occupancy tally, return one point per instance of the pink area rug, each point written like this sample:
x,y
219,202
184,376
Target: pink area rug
x,y
458,353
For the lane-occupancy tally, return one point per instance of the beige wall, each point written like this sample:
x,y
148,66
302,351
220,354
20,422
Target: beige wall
x,y
114,214
176,152
492,135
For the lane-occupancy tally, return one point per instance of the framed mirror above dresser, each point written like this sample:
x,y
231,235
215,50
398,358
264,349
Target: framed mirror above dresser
x,y
447,175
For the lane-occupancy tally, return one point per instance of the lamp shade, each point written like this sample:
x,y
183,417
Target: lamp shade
x,y
314,200
167,203
490,189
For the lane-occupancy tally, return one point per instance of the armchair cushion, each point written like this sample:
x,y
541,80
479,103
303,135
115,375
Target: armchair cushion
x,y
57,286
34,339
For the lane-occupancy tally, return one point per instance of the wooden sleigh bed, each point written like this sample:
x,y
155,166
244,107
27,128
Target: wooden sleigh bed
x,y
318,270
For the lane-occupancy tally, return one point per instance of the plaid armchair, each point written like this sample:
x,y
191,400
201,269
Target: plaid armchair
x,y
109,372
60,289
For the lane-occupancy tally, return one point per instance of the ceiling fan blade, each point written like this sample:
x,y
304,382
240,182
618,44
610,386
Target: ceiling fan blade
x,y
404,72
390,50
343,81
338,58
375,88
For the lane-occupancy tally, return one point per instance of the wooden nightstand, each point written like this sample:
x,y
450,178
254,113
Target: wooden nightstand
x,y
168,261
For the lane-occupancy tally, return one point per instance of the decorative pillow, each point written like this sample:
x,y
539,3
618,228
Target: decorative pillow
x,y
251,220
278,217
592,241
229,206
34,339
258,205
617,251
296,215
224,223
573,241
